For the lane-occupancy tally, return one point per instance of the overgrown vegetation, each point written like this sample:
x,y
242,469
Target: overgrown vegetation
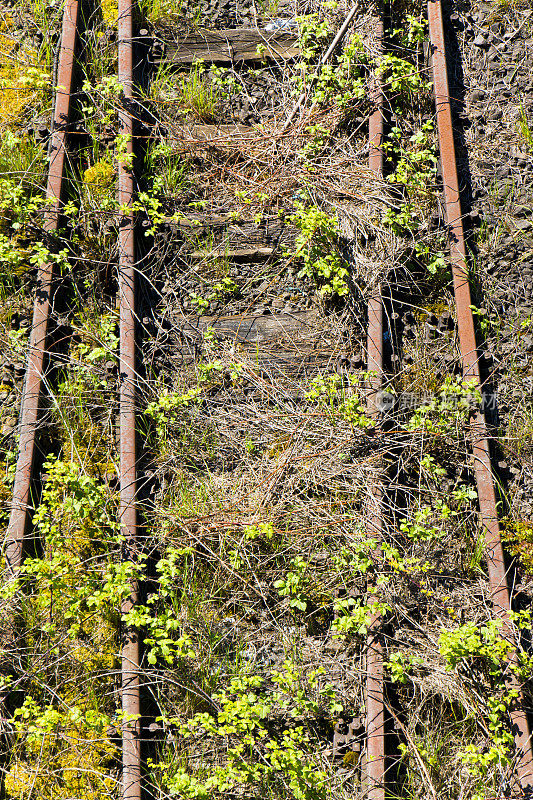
x,y
260,569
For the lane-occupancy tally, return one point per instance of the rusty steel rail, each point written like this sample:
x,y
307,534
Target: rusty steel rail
x,y
131,742
470,362
375,708
37,349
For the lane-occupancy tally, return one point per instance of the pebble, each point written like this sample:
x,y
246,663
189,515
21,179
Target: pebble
x,y
499,74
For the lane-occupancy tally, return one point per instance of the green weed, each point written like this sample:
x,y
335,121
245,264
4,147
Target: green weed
x,y
524,128
198,94
157,10
167,169
318,244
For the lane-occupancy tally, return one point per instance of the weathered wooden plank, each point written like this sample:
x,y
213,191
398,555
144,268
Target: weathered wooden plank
x,y
260,328
230,46
289,346
212,133
246,254
237,239
201,222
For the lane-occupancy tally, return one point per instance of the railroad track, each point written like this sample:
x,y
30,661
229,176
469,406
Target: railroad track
x,y
241,48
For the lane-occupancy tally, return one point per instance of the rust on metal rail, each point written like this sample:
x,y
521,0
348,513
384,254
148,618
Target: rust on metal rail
x,y
467,342
375,709
36,365
131,744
